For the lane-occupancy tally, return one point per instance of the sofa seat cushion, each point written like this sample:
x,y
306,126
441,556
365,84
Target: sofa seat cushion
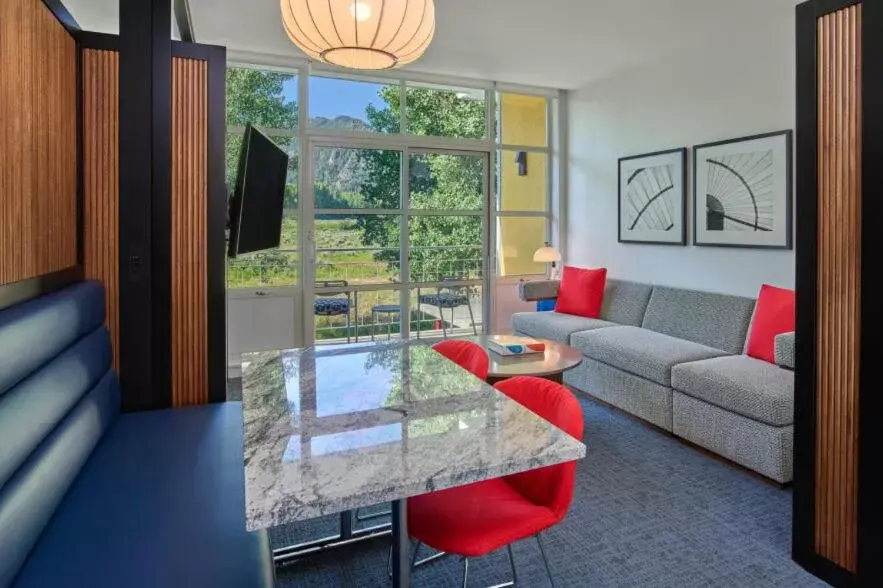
x,y
641,352
750,387
161,502
556,326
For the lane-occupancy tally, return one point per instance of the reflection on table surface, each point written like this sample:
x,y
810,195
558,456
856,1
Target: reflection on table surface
x,y
338,427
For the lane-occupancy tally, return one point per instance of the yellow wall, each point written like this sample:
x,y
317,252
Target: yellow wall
x,y
523,193
523,122
521,237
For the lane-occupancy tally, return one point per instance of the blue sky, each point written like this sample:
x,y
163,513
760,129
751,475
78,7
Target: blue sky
x,y
331,98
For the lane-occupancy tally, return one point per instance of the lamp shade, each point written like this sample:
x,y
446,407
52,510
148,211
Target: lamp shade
x,y
360,34
547,254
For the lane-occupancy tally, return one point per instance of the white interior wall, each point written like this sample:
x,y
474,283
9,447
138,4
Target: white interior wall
x,y
738,83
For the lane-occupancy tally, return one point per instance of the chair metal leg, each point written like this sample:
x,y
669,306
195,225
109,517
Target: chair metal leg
x,y
545,561
465,570
430,558
471,318
441,314
512,565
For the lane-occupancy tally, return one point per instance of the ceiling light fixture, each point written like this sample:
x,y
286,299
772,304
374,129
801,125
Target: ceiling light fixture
x,y
360,34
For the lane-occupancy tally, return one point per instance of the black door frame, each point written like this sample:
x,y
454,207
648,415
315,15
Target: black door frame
x,y
870,483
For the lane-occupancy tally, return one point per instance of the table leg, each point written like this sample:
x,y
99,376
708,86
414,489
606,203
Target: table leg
x,y
401,545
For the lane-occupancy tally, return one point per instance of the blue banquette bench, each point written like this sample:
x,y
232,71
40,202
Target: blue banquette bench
x,y
94,498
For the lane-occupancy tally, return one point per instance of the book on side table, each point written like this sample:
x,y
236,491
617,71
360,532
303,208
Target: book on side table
x,y
510,345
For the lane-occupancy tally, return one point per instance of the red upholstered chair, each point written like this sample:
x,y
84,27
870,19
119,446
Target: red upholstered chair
x,y
468,355
479,518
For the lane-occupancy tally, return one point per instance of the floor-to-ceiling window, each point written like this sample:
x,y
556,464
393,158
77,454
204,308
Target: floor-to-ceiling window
x,y
405,200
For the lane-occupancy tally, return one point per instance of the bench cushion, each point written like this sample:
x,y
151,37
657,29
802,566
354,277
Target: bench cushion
x,y
161,502
31,496
750,387
641,352
31,334
556,326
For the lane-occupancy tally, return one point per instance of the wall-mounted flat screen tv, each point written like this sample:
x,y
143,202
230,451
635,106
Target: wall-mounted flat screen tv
x,y
256,205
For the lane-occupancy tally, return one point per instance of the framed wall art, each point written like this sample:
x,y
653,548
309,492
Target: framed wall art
x,y
652,198
742,192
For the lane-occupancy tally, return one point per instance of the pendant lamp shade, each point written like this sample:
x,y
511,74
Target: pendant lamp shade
x,y
360,34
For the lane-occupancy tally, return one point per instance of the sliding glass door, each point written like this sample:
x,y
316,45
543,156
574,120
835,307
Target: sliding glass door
x,y
396,242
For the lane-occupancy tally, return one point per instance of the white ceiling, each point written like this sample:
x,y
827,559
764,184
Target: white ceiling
x,y
553,43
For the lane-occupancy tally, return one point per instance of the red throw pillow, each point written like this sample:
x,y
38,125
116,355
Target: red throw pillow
x,y
581,291
773,315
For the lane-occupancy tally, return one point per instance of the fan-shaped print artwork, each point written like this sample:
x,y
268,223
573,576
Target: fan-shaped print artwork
x,y
740,192
650,199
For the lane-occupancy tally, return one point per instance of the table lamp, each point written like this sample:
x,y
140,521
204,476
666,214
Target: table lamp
x,y
548,254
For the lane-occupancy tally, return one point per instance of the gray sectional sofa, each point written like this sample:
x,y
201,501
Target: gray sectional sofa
x,y
674,357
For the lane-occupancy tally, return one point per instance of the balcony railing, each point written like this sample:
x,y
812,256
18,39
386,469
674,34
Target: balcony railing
x,y
441,267
428,264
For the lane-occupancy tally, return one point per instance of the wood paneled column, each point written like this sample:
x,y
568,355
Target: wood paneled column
x,y
838,408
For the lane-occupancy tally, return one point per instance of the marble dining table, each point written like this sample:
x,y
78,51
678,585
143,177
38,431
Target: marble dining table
x,y
330,429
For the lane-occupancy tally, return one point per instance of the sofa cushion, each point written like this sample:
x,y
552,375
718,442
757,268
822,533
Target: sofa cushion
x,y
773,315
750,387
581,291
716,320
161,502
554,325
641,352
625,302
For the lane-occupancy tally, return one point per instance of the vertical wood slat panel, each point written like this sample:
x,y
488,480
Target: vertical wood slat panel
x,y
189,231
839,258
101,179
38,142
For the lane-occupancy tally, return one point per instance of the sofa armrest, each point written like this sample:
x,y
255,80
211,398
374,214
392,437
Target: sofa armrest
x,y
538,290
784,347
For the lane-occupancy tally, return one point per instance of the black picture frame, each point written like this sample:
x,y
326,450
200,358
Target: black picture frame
x,y
789,190
682,241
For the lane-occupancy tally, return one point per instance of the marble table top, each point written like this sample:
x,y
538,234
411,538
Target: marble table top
x,y
335,428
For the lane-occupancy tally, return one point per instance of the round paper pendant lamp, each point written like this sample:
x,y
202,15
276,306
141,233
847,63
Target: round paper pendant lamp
x,y
360,34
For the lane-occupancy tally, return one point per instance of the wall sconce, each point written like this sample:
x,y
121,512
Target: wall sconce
x,y
521,162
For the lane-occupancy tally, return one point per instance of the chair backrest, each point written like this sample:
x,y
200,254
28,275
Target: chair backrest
x,y
468,355
551,486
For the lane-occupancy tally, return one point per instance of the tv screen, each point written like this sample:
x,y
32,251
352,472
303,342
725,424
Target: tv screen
x,y
256,206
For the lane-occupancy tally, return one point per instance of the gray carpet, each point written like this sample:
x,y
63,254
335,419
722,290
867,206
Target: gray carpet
x,y
648,511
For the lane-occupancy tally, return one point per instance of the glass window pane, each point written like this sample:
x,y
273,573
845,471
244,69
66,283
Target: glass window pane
x,y
443,111
522,181
442,181
350,105
357,249
366,315
290,205
263,98
523,120
445,248
267,268
518,239
357,178
450,308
